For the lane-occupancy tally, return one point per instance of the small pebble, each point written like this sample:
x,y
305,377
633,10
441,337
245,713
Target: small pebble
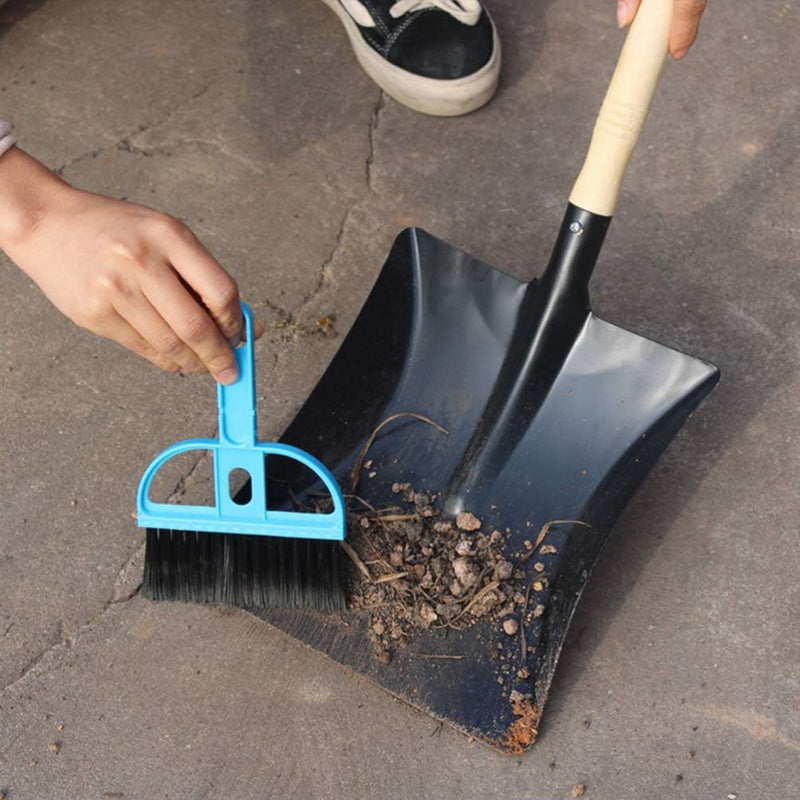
x,y
504,570
537,586
384,656
427,614
464,547
372,473
54,746
466,521
466,572
538,611
548,549
539,566
511,626
528,544
379,628
524,673
579,790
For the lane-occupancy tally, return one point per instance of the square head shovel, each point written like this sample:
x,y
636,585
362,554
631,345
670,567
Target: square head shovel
x,y
553,417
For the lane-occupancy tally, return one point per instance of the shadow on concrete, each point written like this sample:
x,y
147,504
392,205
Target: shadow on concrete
x,y
12,11
753,366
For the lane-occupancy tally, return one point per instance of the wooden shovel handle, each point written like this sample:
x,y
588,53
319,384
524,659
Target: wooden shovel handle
x,y
624,109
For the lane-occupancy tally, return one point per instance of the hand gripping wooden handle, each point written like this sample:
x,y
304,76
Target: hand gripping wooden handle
x,y
624,109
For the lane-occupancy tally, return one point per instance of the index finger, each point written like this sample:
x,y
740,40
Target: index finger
x,y
189,324
205,276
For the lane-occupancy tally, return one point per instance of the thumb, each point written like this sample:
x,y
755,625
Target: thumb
x,y
685,24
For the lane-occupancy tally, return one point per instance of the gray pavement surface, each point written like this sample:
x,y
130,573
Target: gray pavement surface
x,y
251,121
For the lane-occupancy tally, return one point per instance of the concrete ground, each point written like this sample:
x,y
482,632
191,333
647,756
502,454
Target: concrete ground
x,y
251,121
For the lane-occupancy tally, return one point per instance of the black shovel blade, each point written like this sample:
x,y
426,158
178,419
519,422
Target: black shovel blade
x,y
569,438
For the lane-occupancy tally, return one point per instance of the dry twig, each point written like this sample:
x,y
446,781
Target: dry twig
x,y
395,576
356,471
545,529
356,560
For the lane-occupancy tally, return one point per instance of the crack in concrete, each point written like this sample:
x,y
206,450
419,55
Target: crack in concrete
x,y
174,110
32,663
168,148
66,641
373,127
180,486
93,153
325,272
126,142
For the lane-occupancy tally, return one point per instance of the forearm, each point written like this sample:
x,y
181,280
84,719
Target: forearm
x,y
27,189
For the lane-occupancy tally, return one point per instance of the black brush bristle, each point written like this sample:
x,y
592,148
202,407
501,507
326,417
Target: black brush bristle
x,y
243,571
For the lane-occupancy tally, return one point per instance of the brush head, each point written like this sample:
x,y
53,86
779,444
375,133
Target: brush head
x,y
243,571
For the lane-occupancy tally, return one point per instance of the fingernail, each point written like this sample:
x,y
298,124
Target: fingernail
x,y
228,376
236,339
622,13
679,54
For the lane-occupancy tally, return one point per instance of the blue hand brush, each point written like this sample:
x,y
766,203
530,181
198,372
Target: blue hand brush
x,y
238,551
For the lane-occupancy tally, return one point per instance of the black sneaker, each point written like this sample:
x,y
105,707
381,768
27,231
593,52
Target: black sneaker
x,y
436,56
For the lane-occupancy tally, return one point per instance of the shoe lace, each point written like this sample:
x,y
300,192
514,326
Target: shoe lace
x,y
466,11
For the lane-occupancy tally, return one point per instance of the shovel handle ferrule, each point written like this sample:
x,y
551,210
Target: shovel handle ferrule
x,y
565,282
624,109
237,403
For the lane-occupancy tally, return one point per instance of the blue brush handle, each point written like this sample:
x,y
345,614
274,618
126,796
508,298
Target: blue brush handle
x,y
237,402
238,448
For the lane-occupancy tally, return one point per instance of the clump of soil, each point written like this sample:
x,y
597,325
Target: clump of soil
x,y
419,570
523,732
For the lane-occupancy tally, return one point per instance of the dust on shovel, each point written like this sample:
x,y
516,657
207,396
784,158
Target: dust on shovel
x,y
415,570
418,571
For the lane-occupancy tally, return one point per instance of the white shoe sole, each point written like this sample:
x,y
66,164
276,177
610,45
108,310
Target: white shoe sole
x,y
441,98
